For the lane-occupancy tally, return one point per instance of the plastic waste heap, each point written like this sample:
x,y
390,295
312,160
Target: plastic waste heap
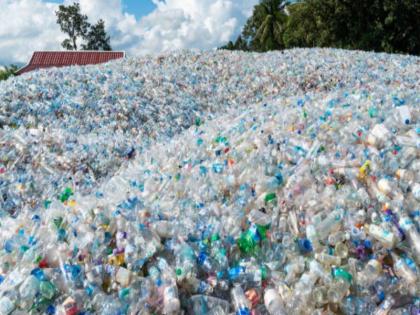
x,y
213,183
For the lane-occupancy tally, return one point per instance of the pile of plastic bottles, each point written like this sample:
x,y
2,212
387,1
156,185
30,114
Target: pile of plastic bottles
x,y
281,183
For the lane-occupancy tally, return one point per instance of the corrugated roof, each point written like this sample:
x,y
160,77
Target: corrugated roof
x,y
48,59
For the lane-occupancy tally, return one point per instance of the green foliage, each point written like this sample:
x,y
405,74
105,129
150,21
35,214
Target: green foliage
x,y
8,72
268,24
73,23
97,39
77,27
299,21
379,25
239,44
264,30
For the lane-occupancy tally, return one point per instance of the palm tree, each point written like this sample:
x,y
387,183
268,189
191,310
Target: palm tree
x,y
264,30
268,23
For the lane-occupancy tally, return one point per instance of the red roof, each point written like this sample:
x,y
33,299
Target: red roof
x,y
48,59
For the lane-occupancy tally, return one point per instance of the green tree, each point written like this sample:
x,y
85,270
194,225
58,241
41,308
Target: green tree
x,y
73,23
378,25
263,31
300,20
389,25
239,44
269,24
97,38
311,24
7,72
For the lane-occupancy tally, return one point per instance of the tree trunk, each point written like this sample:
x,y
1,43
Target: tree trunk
x,y
74,43
73,38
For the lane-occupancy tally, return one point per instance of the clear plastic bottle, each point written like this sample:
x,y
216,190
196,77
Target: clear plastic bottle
x,y
370,273
203,304
328,260
273,302
240,302
416,191
383,235
185,262
403,271
171,303
331,222
6,305
379,136
28,290
412,235
385,307
339,288
337,291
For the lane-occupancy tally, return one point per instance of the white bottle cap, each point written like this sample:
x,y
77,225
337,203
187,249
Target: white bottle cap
x,y
384,186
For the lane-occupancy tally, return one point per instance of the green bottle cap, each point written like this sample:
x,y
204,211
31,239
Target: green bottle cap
x,y
215,237
221,139
68,192
343,274
24,248
264,272
47,203
262,231
124,293
246,242
270,197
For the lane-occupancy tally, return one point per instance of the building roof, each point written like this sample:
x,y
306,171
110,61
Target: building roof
x,y
48,59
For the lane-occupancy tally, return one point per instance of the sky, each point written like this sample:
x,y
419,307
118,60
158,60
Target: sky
x,y
137,27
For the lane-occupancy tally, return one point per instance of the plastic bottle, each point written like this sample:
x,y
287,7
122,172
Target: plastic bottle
x,y
6,306
186,262
28,289
331,222
385,236
379,136
337,291
385,307
404,115
412,235
203,304
248,273
328,260
416,191
171,303
240,302
403,271
273,302
370,273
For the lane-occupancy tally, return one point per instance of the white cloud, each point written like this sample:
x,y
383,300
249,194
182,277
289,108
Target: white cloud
x,y
203,24
121,26
27,25
174,24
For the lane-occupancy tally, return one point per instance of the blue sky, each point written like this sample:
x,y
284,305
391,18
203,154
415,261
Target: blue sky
x,y
137,27
139,8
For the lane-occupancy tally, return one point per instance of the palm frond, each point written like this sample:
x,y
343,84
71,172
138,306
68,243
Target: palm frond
x,y
278,31
262,29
